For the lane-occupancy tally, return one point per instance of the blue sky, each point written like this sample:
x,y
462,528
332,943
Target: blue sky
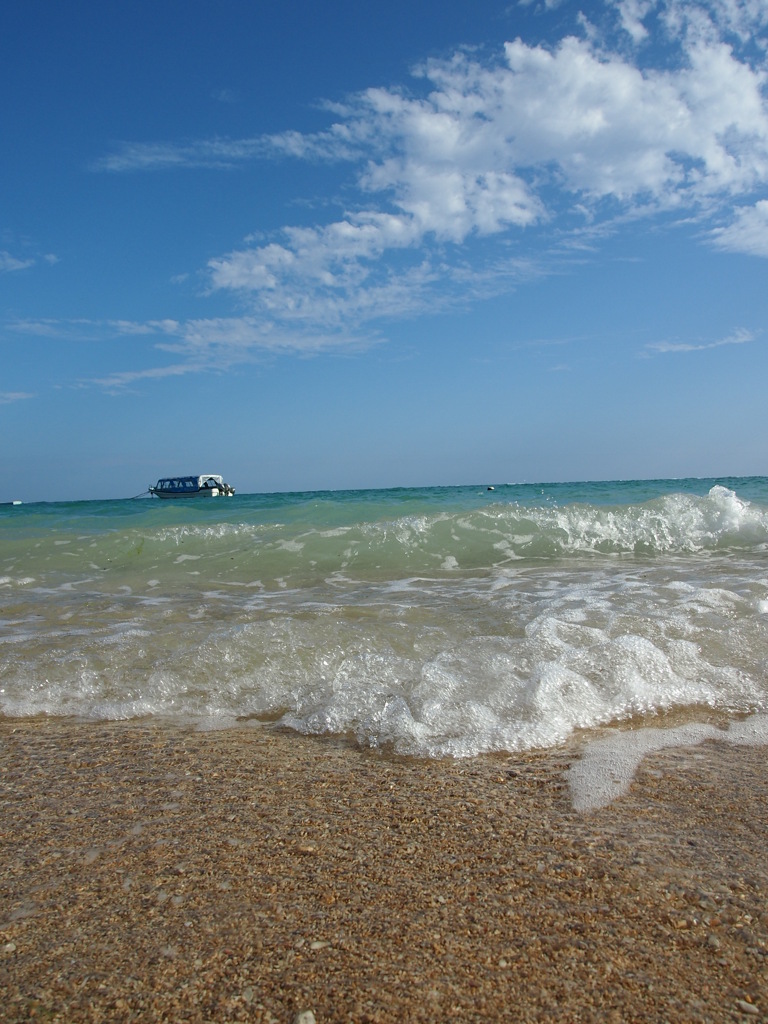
x,y
386,244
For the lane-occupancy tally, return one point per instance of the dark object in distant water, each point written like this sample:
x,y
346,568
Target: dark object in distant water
x,y
10,502
209,485
490,488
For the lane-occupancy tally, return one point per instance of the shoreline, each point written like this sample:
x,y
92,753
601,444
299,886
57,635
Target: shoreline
x,y
152,872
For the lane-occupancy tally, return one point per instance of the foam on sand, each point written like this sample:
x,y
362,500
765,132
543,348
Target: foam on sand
x,y
608,765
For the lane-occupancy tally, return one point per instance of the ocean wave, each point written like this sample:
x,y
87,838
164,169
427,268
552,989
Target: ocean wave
x,y
677,524
473,539
435,629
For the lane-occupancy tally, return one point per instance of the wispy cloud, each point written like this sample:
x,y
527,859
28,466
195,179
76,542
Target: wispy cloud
x,y
124,378
748,233
223,153
738,337
226,95
9,263
145,156
211,345
6,397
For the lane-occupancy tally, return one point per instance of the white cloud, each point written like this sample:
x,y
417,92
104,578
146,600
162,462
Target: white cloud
x,y
124,378
142,156
79,329
748,233
220,342
224,153
534,149
738,337
197,346
6,397
226,95
9,263
567,137
742,19
631,14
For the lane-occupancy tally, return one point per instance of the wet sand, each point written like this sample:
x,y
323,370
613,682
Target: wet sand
x,y
152,873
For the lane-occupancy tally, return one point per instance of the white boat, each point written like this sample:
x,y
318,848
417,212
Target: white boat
x,y
209,485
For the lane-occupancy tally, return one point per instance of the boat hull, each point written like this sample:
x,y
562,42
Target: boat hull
x,y
204,492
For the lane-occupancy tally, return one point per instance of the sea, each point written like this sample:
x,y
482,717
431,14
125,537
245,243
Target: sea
x,y
428,622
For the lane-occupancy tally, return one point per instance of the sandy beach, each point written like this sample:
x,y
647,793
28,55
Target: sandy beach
x,y
155,873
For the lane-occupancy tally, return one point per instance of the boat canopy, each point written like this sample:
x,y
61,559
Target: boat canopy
x,y
189,483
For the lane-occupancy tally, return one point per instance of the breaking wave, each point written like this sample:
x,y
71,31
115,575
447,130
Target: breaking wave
x,y
435,627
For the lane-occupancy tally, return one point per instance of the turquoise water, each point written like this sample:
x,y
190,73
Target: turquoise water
x,y
434,621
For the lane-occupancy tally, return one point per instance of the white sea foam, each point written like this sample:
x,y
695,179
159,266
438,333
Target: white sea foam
x,y
294,546
608,766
